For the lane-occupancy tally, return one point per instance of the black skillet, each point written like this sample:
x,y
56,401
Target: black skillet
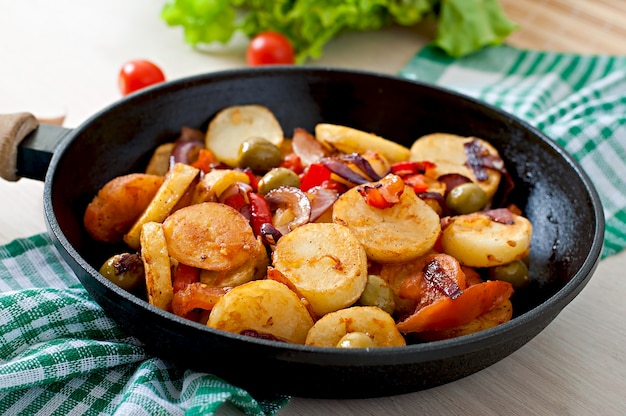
x,y
554,192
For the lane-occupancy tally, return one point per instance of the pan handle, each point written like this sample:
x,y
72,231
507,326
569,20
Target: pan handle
x,y
26,146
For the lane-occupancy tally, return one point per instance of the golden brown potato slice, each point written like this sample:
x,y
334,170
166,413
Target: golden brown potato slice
x,y
350,140
118,204
264,307
255,267
156,263
233,125
372,321
174,186
399,233
210,236
498,315
326,264
477,240
447,152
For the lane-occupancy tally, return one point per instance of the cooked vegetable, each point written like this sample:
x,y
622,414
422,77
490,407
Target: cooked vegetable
x,y
264,307
515,272
118,204
378,293
464,26
500,314
466,198
276,178
378,325
254,267
448,153
258,154
325,262
160,161
215,182
479,240
125,270
399,233
174,186
234,125
446,313
350,140
156,262
210,236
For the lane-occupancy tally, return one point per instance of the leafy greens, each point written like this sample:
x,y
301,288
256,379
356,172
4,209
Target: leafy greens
x,y
463,26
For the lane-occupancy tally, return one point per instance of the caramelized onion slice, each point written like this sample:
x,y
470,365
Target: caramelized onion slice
x,y
291,208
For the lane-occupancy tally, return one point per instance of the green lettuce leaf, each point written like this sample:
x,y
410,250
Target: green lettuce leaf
x,y
464,25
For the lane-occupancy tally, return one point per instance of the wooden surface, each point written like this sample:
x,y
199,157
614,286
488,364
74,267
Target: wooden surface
x,y
62,57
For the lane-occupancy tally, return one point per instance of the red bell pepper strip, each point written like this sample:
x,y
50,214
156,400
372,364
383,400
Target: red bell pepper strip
x,y
260,212
315,175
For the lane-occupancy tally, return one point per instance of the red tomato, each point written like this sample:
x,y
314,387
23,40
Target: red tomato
x,y
269,48
138,74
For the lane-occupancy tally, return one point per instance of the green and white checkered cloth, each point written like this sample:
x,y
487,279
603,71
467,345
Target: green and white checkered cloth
x,y
577,100
59,354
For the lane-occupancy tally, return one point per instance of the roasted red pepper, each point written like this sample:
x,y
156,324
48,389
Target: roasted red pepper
x,y
315,175
260,212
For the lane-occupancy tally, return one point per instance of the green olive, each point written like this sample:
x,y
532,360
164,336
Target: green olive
x,y
276,178
258,154
466,198
356,340
125,270
516,273
378,293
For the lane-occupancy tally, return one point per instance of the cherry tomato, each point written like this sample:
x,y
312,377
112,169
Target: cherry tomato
x,y
137,74
269,48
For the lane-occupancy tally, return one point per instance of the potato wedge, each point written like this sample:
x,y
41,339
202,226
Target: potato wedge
x,y
369,320
326,264
255,267
210,236
399,233
233,125
350,140
500,314
265,307
118,204
176,182
157,268
477,240
447,152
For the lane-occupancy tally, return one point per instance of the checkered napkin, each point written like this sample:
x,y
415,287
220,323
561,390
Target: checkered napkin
x,y
577,100
60,355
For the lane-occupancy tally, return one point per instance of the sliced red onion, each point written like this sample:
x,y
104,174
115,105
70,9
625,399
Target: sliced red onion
x,y
306,146
186,151
270,234
294,200
363,164
321,200
344,171
452,180
500,215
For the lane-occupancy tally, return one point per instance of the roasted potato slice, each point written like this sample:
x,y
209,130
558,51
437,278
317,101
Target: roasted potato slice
x,y
156,263
265,307
210,236
255,267
233,125
325,262
500,314
399,233
447,152
372,321
350,140
479,240
174,186
118,204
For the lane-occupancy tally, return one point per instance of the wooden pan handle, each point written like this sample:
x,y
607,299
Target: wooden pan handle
x,y
26,146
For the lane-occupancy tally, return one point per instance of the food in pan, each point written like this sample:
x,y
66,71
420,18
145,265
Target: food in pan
x,y
336,237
